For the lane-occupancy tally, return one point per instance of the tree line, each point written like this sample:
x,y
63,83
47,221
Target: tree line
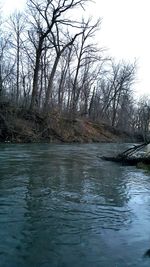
x,y
50,61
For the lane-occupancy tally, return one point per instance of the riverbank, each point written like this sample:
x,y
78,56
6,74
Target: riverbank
x,y
21,126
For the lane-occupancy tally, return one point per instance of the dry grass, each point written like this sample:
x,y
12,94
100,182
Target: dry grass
x,y
24,126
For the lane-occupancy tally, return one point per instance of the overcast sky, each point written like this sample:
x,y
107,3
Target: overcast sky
x,y
124,31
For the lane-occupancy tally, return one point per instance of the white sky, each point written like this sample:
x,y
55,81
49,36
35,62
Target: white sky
x,y
124,31
10,5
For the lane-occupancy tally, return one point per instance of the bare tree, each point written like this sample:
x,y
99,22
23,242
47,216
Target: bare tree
x,y
143,117
16,26
64,69
123,79
86,53
60,47
46,14
6,64
116,83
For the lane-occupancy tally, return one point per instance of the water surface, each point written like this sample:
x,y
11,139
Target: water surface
x,y
61,205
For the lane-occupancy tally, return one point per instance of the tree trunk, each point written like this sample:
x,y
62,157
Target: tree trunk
x,y
35,76
1,82
18,65
50,83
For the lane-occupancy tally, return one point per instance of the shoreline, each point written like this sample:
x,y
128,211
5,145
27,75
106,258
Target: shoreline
x,y
22,126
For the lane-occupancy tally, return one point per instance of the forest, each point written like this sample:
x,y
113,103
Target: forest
x,y
54,75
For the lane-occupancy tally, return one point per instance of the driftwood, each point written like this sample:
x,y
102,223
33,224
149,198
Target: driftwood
x,y
132,150
129,161
130,157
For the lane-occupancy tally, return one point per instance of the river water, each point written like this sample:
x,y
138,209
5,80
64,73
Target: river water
x,y
61,205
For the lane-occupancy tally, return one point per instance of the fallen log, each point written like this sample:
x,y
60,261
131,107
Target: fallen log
x,y
129,160
131,156
132,150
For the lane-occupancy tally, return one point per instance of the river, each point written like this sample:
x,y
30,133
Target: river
x,y
62,206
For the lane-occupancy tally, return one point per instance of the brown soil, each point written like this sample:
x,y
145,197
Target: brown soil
x,y
22,126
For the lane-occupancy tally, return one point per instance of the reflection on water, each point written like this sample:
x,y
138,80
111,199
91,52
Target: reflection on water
x,y
61,205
